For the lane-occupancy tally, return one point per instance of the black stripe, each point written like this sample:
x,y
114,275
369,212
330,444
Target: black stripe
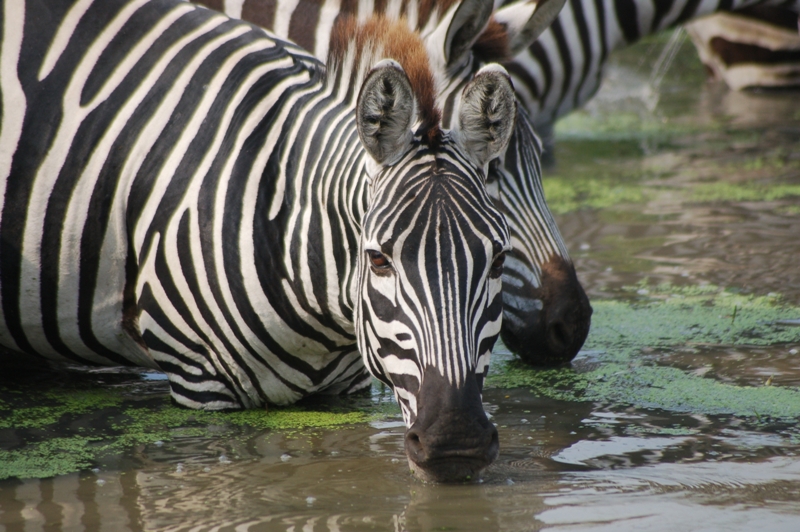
x,y
627,16
662,7
602,25
586,47
688,12
566,60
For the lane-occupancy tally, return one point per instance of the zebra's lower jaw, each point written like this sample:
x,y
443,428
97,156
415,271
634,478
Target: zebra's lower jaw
x,y
449,471
552,331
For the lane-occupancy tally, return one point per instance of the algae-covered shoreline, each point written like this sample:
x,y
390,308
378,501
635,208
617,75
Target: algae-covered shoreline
x,y
623,370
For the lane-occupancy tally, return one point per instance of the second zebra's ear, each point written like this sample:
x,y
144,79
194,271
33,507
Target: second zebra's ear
x,y
524,21
385,111
487,114
458,31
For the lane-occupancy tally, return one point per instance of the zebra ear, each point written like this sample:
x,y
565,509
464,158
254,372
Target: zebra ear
x,y
524,21
385,112
487,114
459,30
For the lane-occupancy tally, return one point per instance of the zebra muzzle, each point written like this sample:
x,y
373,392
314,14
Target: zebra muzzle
x,y
451,440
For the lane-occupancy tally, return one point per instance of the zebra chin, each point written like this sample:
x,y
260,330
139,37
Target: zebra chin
x,y
546,325
451,439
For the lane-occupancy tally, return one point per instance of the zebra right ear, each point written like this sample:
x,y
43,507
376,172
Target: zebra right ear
x,y
524,21
385,111
487,114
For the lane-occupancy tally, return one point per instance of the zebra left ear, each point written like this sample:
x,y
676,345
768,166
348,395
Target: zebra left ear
x,y
385,112
487,114
524,21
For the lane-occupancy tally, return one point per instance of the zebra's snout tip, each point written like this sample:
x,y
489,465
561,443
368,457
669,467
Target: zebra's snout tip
x,y
448,462
454,453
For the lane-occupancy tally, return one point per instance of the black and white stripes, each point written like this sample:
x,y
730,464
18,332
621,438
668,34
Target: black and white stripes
x,y
547,316
184,191
564,67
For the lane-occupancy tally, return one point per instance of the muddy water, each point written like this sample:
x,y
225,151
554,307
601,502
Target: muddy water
x,y
680,202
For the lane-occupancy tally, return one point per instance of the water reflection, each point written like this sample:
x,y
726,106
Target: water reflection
x,y
562,464
739,496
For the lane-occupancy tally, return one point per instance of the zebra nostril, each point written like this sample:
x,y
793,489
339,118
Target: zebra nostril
x,y
414,445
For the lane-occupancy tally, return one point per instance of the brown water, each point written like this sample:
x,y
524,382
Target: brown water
x,y
564,465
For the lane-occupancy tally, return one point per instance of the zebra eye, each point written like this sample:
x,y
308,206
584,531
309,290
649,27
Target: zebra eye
x,y
497,266
378,260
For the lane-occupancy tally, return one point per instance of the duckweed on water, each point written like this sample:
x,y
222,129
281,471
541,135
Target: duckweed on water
x,y
99,422
56,456
56,405
723,191
566,194
669,316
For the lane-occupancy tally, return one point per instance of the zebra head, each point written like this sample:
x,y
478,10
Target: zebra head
x,y
428,306
546,311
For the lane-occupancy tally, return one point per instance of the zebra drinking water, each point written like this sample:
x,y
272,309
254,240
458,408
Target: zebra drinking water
x,y
185,192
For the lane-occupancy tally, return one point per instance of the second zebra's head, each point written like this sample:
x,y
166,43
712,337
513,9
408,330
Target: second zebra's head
x,y
430,263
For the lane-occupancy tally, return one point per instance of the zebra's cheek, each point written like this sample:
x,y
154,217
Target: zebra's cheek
x,y
384,284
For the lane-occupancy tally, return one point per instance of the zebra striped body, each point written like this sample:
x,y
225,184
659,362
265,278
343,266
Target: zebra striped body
x,y
546,312
186,192
563,69
752,48
121,171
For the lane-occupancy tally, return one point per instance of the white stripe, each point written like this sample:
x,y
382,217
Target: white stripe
x,y
283,16
13,115
63,35
233,8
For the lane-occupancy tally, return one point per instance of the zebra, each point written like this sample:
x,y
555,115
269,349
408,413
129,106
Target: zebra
x,y
186,192
546,311
757,47
563,68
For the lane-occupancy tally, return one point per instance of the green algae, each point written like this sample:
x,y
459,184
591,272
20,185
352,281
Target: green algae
x,y
100,422
573,190
724,191
57,404
567,194
623,126
662,317
55,456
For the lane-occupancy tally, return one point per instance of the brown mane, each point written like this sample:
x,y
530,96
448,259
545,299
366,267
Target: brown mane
x,y
379,38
